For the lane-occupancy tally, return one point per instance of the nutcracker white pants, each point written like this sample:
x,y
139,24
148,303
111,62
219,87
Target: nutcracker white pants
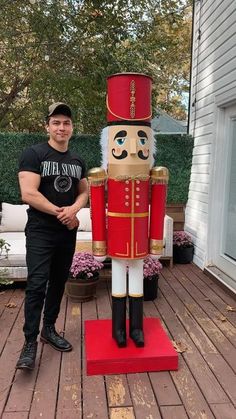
x,y
119,277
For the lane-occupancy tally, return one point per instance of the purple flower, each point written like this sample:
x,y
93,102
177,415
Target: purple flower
x,y
181,238
84,266
151,267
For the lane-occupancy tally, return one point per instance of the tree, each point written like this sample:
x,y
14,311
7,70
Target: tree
x,y
55,50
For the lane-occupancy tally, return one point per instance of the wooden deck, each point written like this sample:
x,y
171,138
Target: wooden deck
x,y
197,314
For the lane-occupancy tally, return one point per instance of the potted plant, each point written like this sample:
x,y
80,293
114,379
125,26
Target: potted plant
x,y
4,248
182,247
151,271
84,275
4,276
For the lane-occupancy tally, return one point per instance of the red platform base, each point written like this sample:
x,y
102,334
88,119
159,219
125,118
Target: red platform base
x,y
104,357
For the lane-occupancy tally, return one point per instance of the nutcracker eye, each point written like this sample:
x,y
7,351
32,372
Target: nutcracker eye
x,y
120,141
120,138
142,141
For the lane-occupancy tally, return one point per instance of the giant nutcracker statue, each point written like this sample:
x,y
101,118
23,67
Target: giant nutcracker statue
x,y
131,226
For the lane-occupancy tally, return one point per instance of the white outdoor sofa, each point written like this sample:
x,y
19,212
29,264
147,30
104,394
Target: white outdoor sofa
x,y
13,220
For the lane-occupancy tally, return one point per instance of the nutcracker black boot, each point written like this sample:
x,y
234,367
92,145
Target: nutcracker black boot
x,y
119,320
136,320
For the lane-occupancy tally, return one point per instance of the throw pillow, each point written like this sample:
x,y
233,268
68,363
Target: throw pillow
x,y
14,217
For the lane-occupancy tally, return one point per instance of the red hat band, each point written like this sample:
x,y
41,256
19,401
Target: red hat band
x,y
129,97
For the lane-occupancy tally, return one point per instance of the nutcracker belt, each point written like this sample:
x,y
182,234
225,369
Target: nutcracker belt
x,y
128,215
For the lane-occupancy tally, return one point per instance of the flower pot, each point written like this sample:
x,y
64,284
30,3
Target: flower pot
x,y
183,254
150,287
80,290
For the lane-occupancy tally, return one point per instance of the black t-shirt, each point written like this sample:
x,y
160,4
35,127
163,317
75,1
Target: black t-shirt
x,y
60,174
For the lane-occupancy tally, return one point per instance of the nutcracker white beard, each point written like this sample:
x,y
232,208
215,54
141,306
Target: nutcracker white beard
x,y
127,150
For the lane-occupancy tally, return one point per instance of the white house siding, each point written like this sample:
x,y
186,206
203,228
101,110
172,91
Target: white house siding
x,y
213,74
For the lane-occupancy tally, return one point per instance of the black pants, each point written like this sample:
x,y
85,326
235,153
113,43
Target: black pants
x,y
49,253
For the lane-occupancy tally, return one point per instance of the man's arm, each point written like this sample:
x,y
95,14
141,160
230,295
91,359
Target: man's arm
x,y
29,184
67,214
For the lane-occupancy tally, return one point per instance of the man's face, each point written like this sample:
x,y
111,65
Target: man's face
x,y
129,145
60,128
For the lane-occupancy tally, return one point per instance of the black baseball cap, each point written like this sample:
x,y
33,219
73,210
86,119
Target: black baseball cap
x,y
59,108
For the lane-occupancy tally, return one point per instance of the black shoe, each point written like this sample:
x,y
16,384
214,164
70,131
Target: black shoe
x,y
49,335
27,356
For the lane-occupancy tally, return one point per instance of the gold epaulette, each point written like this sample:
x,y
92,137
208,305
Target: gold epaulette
x,y
159,174
97,176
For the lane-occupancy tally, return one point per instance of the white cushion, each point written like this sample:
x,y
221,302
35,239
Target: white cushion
x,y
84,236
17,241
14,217
84,219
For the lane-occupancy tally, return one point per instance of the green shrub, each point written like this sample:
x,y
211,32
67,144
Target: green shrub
x,y
174,152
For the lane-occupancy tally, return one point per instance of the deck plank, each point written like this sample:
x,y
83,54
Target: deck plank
x,y
69,403
216,309
227,297
15,415
94,390
164,389
218,339
8,315
207,286
45,392
118,393
194,344
171,412
226,377
162,382
10,383
192,397
143,397
191,308
122,413
224,411
5,297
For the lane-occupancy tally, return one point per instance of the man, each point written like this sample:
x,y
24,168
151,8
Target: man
x,y
52,181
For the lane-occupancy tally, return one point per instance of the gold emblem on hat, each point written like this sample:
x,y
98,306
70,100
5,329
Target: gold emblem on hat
x,y
132,98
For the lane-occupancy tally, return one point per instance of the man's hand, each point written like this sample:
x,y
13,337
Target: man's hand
x,y
66,215
73,224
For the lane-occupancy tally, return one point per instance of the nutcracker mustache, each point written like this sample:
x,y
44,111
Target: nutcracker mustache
x,y
124,154
141,155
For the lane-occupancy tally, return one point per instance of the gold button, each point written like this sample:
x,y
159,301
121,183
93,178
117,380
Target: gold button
x,y
126,204
138,182
137,189
137,196
126,196
126,189
137,204
127,182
